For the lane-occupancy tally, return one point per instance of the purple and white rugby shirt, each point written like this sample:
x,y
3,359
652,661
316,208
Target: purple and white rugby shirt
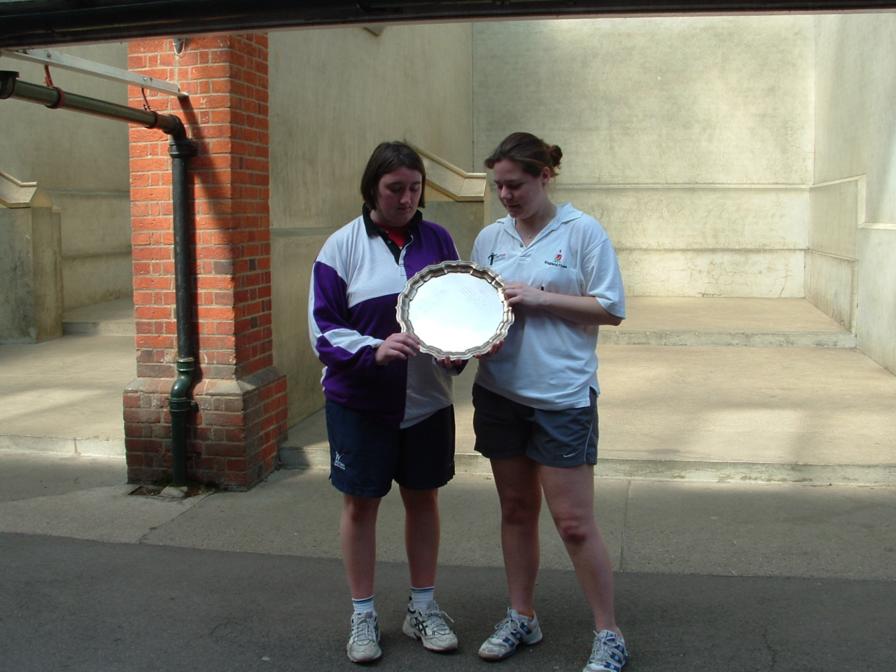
x,y
355,285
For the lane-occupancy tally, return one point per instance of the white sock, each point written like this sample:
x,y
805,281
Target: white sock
x,y
421,597
363,605
522,617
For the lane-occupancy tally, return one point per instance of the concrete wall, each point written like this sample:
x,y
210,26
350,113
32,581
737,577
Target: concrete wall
x,y
30,274
836,212
850,270
690,138
82,162
464,220
335,94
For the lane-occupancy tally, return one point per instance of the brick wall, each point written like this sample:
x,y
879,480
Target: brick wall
x,y
241,396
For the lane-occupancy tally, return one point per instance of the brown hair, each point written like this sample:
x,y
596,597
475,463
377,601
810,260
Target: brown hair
x,y
531,152
389,156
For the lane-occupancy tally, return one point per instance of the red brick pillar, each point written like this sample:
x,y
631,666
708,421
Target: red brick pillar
x,y
241,397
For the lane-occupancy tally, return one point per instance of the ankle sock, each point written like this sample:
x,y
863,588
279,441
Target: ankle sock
x,y
523,617
363,605
421,597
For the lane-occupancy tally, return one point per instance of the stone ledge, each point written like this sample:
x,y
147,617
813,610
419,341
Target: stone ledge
x,y
804,339
90,447
317,456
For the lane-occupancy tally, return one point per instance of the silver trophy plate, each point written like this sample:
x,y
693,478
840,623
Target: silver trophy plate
x,y
457,309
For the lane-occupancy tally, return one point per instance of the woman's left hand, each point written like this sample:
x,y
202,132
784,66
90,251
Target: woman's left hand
x,y
580,309
519,294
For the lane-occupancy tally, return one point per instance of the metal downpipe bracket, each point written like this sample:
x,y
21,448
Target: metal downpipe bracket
x,y
181,405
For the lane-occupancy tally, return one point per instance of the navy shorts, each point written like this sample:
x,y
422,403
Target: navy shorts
x,y
366,455
505,428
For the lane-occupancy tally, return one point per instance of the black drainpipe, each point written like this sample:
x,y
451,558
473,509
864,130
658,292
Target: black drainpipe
x,y
181,149
180,403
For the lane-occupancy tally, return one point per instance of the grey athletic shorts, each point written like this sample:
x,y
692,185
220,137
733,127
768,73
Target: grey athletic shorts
x,y
505,428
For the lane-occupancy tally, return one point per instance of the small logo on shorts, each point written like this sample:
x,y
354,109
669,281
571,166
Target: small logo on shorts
x,y
337,462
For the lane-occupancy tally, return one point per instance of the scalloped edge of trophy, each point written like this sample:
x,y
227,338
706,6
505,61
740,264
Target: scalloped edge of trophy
x,y
444,268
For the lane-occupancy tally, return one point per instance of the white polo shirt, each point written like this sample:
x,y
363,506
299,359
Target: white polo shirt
x,y
548,362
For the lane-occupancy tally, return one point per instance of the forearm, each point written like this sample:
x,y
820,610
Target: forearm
x,y
345,355
579,309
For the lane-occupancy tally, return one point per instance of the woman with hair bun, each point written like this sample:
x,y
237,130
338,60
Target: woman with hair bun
x,y
535,399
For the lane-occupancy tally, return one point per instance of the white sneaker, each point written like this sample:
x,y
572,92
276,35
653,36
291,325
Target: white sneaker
x,y
509,634
608,653
429,626
364,641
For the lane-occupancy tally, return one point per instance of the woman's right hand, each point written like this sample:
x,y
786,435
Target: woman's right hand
x,y
493,350
397,346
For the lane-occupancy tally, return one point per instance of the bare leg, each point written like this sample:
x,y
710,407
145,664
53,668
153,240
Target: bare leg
x,y
357,532
516,479
570,497
421,534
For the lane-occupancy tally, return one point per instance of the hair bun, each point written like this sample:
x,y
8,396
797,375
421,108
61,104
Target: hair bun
x,y
531,153
556,154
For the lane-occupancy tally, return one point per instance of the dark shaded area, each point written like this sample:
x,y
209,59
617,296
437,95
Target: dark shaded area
x,y
78,605
31,23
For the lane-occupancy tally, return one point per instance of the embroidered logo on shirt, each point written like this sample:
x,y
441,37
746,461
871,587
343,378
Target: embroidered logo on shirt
x,y
558,260
495,256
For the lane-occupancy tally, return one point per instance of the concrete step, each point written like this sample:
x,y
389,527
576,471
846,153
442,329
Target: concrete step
x,y
59,445
63,396
316,456
738,322
88,328
792,415
109,318
306,447
757,339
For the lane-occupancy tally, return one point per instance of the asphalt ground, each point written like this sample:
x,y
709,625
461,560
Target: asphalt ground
x,y
746,494
724,576
86,606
